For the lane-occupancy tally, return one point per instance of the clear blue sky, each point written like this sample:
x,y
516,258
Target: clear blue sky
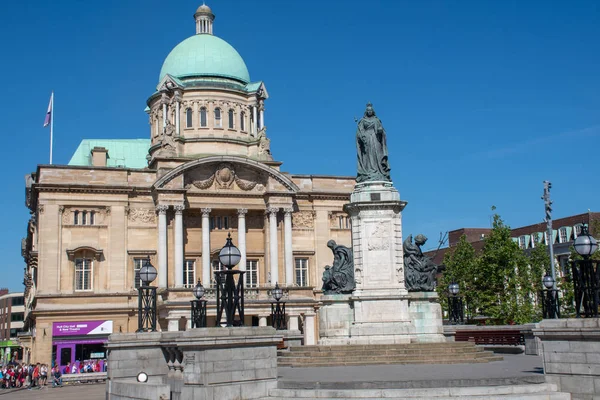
x,y
481,101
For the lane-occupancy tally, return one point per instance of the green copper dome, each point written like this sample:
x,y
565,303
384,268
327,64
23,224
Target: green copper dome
x,y
205,55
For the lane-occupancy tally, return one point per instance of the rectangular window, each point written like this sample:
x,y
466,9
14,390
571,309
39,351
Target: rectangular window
x,y
189,273
83,218
225,222
92,215
251,274
522,242
138,263
76,217
217,223
215,266
18,301
563,235
16,317
83,274
301,271
577,230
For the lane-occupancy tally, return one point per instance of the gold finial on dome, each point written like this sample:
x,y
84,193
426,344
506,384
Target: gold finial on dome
x,y
204,20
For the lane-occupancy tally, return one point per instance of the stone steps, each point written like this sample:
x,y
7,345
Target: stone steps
x,y
540,391
433,353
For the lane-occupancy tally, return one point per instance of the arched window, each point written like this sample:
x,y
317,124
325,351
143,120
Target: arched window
x,y
188,118
218,123
203,117
243,121
231,119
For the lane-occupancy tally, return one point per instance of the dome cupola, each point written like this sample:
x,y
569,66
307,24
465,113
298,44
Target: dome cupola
x,y
205,55
204,19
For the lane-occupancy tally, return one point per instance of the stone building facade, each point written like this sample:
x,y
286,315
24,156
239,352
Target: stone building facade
x,y
206,171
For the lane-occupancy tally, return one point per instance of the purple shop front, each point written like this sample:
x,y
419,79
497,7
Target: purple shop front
x,y
80,343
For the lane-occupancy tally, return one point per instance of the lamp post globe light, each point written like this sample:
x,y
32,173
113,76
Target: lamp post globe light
x,y
586,276
230,294
585,245
147,298
550,300
277,309
455,305
198,307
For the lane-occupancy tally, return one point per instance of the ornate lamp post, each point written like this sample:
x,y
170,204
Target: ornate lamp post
x,y
198,307
230,295
586,275
147,299
278,309
455,305
550,300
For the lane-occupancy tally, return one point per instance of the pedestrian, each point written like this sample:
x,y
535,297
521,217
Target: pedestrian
x,y
56,377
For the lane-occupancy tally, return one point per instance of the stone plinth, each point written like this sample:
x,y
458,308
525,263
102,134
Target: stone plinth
x,y
571,351
380,300
426,314
335,318
205,363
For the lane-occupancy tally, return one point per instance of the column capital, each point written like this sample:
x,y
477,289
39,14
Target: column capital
x,y
164,99
288,210
206,212
242,211
272,210
162,208
179,208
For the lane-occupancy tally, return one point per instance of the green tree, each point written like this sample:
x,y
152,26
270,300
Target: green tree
x,y
539,265
461,263
503,278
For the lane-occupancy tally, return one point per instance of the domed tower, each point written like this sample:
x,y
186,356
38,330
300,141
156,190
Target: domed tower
x,y
205,103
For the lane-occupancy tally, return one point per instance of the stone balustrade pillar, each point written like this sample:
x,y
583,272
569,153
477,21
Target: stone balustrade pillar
x,y
309,329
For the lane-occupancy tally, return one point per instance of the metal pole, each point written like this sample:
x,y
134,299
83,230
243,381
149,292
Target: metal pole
x,y
51,127
548,208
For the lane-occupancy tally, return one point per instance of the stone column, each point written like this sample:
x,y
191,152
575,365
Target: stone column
x,y
293,323
262,115
206,247
179,245
242,237
309,329
289,256
273,256
164,101
162,245
177,113
254,122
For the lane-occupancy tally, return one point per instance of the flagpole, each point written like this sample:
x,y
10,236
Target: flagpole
x,y
51,126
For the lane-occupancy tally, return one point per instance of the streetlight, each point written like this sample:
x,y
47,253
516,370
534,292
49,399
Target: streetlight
x,y
198,307
455,305
230,295
586,276
147,298
550,300
277,309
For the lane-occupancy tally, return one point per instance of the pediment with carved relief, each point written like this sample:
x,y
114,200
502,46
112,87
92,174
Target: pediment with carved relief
x,y
225,176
